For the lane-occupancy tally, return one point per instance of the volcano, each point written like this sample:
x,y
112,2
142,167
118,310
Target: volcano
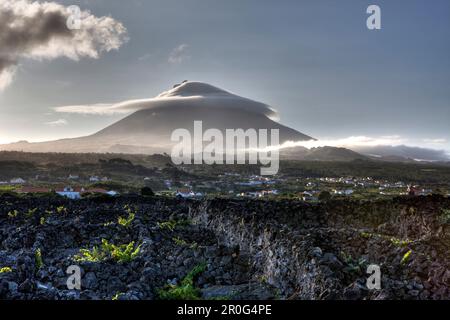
x,y
148,129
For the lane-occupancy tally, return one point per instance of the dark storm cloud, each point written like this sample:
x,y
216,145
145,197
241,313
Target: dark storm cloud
x,y
21,33
39,31
6,63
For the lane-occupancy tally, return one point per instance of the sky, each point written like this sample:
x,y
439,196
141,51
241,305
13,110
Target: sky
x,y
315,62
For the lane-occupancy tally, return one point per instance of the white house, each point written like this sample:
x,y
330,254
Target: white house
x,y
94,179
344,192
186,193
232,174
17,181
258,194
309,196
249,183
168,183
70,192
425,192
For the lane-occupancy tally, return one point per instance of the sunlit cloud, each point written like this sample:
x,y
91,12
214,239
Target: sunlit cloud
x,y
377,147
38,30
435,141
353,141
93,109
57,123
6,75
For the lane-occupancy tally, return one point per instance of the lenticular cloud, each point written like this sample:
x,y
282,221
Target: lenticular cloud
x,y
183,96
38,30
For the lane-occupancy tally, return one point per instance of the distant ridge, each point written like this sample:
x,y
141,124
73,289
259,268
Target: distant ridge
x,y
321,154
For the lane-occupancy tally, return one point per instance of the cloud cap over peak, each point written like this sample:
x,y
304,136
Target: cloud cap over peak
x,y
182,95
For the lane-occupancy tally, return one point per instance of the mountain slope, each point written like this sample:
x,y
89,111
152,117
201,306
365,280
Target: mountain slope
x,y
149,129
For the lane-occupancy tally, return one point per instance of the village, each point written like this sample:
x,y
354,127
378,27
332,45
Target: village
x,y
228,185
69,190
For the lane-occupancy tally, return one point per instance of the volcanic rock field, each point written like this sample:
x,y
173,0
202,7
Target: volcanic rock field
x,y
132,248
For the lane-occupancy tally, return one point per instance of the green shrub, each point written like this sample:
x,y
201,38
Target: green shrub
x,y
38,258
93,255
366,235
31,212
116,296
147,191
179,241
120,253
406,257
126,222
5,270
61,209
324,196
186,289
13,214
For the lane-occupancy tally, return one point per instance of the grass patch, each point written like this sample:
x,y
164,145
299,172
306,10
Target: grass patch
x,y
8,189
172,224
399,242
182,242
352,264
167,225
395,241
444,217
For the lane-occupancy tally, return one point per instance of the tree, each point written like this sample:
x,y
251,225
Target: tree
x,y
324,196
147,191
